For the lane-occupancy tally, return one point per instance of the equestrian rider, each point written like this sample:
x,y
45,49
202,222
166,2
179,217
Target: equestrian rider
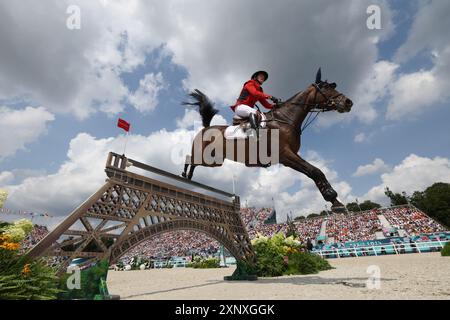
x,y
251,93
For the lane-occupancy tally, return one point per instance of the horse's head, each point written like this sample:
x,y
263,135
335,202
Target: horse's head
x,y
327,98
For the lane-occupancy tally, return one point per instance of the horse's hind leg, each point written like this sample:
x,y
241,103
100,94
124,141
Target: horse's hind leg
x,y
186,166
297,163
191,171
183,174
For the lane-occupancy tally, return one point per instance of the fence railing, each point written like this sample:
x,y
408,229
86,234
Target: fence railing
x,y
378,250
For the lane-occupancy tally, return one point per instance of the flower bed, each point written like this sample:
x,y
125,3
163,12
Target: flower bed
x,y
21,278
278,255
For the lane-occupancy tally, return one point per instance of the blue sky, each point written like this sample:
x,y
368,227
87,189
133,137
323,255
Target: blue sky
x,y
184,61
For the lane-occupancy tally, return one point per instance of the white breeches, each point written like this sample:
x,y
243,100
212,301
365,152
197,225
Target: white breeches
x,y
244,111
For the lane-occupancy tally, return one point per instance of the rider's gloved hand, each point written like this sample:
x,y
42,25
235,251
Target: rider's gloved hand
x,y
275,100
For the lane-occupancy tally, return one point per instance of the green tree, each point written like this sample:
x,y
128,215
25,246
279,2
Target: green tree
x,y
434,201
369,205
323,213
352,207
397,199
312,215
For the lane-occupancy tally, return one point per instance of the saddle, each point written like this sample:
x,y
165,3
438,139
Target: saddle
x,y
245,122
240,127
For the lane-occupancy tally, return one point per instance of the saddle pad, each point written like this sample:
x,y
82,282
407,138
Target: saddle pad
x,y
236,132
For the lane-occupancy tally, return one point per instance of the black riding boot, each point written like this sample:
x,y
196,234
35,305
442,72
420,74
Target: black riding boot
x,y
254,123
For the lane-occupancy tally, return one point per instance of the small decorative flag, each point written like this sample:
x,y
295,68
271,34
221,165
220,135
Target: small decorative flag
x,y
123,124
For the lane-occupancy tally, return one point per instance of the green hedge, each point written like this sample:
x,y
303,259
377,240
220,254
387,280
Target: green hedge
x,y
445,252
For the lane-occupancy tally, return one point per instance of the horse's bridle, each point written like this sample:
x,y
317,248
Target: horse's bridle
x,y
330,101
316,107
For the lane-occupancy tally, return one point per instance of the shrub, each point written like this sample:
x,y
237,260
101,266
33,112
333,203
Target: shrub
x,y
25,225
204,263
15,234
306,263
17,231
270,261
445,252
31,281
279,255
20,277
89,283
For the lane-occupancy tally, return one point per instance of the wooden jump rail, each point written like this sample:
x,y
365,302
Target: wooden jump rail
x,y
121,162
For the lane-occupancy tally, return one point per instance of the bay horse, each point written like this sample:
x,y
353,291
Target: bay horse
x,y
288,118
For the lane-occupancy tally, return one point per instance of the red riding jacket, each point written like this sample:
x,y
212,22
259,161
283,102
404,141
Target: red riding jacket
x,y
251,93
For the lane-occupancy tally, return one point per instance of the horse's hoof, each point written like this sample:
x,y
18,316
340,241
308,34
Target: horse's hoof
x,y
338,208
183,175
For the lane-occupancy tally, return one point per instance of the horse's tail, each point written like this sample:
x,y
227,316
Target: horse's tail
x,y
206,107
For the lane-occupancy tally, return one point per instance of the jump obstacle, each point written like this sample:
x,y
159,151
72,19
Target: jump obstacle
x,y
131,208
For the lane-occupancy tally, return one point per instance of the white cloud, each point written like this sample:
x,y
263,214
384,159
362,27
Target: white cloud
x,y
76,71
200,45
6,177
377,166
21,127
414,173
79,71
429,30
373,88
218,120
360,137
416,92
145,98
190,119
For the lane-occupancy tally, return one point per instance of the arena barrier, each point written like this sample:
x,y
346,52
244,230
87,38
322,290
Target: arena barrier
x,y
379,250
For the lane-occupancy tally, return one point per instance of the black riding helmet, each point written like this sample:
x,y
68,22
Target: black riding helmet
x,y
266,75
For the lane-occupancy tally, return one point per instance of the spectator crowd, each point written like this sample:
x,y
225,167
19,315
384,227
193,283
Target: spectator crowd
x,y
412,220
37,234
353,227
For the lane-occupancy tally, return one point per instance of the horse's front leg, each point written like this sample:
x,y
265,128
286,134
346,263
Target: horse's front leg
x,y
297,163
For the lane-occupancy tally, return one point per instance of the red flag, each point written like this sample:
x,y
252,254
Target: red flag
x,y
123,124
